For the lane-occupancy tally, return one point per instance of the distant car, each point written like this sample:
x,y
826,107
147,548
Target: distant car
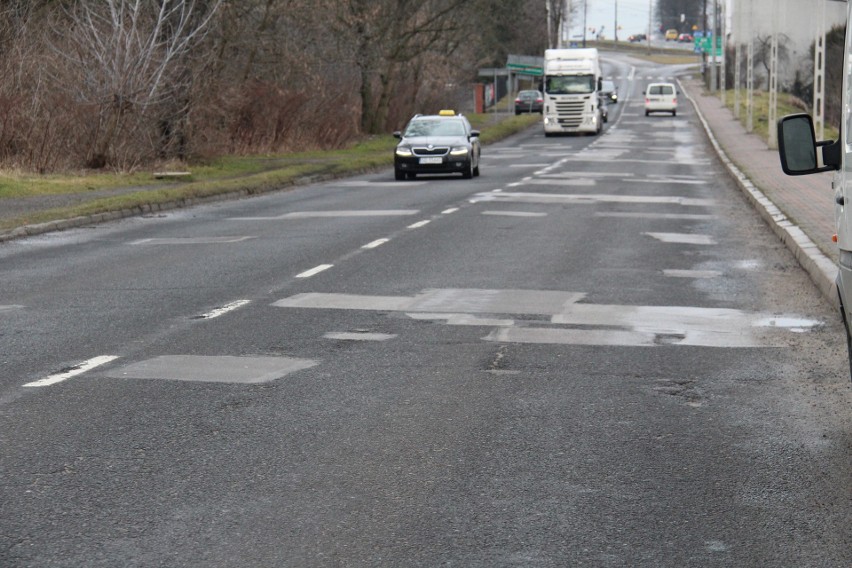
x,y
437,144
609,92
637,38
671,35
661,97
529,101
685,38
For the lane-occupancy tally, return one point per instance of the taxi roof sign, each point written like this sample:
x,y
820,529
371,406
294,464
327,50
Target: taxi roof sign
x,y
446,112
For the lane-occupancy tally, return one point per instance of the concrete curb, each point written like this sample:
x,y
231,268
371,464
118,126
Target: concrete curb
x,y
821,269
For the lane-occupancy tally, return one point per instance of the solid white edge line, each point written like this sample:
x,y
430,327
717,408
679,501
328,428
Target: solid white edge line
x,y
79,369
314,271
225,309
419,224
374,244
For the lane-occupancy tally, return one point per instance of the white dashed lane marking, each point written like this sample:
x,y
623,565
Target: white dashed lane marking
x,y
191,241
73,371
314,271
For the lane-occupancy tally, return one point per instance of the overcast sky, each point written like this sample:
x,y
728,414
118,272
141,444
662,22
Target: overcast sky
x,y
632,17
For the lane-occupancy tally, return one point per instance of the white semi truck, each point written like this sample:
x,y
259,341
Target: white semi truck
x,y
572,82
802,154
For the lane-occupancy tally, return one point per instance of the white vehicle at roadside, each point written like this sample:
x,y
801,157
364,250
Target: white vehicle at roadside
x,y
802,154
661,97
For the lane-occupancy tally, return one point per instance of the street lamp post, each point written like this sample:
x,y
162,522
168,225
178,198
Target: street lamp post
x,y
615,29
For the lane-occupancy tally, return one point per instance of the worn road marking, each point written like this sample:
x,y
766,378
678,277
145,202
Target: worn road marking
x,y
517,197
224,309
419,224
513,214
73,372
566,320
191,241
684,216
682,238
332,214
358,336
692,273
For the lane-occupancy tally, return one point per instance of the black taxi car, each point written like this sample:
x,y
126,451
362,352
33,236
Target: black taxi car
x,y
437,144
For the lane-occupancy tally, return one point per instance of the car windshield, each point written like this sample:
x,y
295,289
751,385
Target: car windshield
x,y
608,86
569,84
661,90
435,128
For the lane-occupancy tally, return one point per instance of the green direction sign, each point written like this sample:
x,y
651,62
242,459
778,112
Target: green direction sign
x,y
702,45
525,69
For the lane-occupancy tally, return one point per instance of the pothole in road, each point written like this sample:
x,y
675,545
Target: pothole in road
x,y
682,389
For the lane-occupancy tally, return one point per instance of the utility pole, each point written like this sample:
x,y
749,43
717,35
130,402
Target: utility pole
x,y
704,53
615,29
773,83
584,24
650,24
750,70
723,81
714,71
738,30
819,72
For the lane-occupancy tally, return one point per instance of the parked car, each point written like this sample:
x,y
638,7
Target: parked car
x,y
529,101
685,38
671,35
637,38
437,144
609,92
661,97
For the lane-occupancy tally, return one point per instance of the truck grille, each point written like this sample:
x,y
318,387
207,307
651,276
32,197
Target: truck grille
x,y
570,113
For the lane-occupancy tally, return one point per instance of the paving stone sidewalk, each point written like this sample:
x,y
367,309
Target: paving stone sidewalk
x,y
799,209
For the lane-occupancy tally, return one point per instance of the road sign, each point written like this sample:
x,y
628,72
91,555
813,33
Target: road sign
x,y
702,45
525,69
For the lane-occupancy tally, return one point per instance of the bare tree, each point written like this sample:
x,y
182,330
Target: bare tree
x,y
121,52
390,38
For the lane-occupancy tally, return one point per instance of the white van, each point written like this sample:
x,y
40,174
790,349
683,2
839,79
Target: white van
x,y
801,154
660,97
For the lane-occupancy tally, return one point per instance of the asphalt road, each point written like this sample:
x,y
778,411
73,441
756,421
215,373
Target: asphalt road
x,y
595,354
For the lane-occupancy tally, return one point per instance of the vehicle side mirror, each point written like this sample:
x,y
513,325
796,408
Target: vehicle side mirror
x,y
797,147
474,133
397,134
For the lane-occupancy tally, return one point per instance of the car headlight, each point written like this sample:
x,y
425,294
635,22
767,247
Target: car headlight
x,y
459,151
404,152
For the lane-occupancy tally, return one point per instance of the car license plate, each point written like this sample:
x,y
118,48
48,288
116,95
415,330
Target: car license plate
x,y
437,160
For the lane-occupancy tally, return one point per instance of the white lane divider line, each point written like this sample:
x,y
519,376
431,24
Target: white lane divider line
x,y
514,213
374,244
419,224
73,371
449,211
314,271
224,309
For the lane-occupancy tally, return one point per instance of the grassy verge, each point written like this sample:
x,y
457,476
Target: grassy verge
x,y
787,104
247,174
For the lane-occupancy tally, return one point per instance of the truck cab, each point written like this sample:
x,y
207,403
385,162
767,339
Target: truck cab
x,y
802,154
572,84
